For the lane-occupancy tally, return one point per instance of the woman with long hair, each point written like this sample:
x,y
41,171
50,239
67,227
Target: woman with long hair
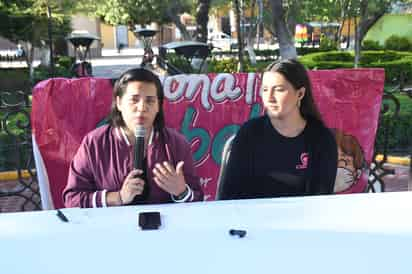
x,y
288,151
102,172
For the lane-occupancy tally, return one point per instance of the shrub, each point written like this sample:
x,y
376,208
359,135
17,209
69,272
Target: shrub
x,y
12,79
267,54
393,62
42,73
223,66
371,45
395,42
399,132
327,43
368,57
13,151
65,61
305,50
328,60
179,62
341,56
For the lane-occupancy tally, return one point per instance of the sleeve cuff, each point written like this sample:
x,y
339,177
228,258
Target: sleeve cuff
x,y
99,199
187,198
104,199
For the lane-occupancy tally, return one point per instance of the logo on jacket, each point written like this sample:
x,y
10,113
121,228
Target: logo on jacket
x,y
304,159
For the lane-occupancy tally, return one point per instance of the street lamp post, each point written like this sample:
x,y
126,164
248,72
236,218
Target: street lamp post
x,y
146,35
81,42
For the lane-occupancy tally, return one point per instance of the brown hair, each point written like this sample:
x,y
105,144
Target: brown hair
x,y
297,75
141,75
350,145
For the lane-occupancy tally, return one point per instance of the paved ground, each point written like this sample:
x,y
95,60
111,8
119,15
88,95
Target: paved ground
x,y
113,67
400,181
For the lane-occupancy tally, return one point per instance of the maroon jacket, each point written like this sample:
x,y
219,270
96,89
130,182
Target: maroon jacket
x,y
105,158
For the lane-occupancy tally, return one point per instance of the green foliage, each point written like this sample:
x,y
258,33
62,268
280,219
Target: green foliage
x,y
6,152
14,79
42,73
381,56
179,62
10,152
399,130
371,45
267,54
341,56
65,61
26,20
230,65
18,79
395,42
327,43
328,60
223,66
136,12
62,69
393,62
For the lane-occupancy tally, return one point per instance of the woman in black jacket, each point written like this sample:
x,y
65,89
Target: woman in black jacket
x,y
286,152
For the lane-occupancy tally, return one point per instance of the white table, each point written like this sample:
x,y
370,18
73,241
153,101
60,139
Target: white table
x,y
359,233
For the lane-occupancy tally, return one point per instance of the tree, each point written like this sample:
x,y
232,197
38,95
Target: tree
x,y
249,41
202,18
369,12
286,42
236,7
26,22
140,12
365,12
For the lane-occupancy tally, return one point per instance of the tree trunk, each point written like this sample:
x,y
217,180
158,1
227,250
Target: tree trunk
x,y
29,49
239,36
202,18
249,45
259,24
175,18
287,47
366,22
358,37
344,4
349,32
357,44
292,14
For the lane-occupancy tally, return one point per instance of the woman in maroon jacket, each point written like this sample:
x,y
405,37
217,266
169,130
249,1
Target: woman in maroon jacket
x,y
102,172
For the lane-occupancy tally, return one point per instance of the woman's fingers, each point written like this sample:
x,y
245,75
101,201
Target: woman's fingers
x,y
165,169
169,168
161,174
134,173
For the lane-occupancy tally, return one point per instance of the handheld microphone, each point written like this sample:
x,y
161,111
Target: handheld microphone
x,y
138,162
139,134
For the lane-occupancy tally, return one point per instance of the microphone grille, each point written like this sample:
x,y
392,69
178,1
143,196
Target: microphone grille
x,y
140,131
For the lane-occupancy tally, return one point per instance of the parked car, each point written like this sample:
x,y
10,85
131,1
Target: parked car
x,y
222,41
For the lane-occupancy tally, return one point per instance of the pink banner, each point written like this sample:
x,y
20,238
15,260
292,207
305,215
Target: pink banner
x,y
207,109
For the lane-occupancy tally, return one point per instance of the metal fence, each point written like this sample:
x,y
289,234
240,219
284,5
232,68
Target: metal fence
x,y
18,192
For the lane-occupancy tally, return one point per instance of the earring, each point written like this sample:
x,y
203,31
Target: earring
x,y
298,104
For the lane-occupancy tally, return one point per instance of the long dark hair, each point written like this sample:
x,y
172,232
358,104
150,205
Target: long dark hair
x,y
297,75
141,75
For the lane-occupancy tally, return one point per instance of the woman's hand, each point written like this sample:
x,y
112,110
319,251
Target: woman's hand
x,y
169,178
131,187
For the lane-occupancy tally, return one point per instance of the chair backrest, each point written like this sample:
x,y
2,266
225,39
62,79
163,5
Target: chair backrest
x,y
222,173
